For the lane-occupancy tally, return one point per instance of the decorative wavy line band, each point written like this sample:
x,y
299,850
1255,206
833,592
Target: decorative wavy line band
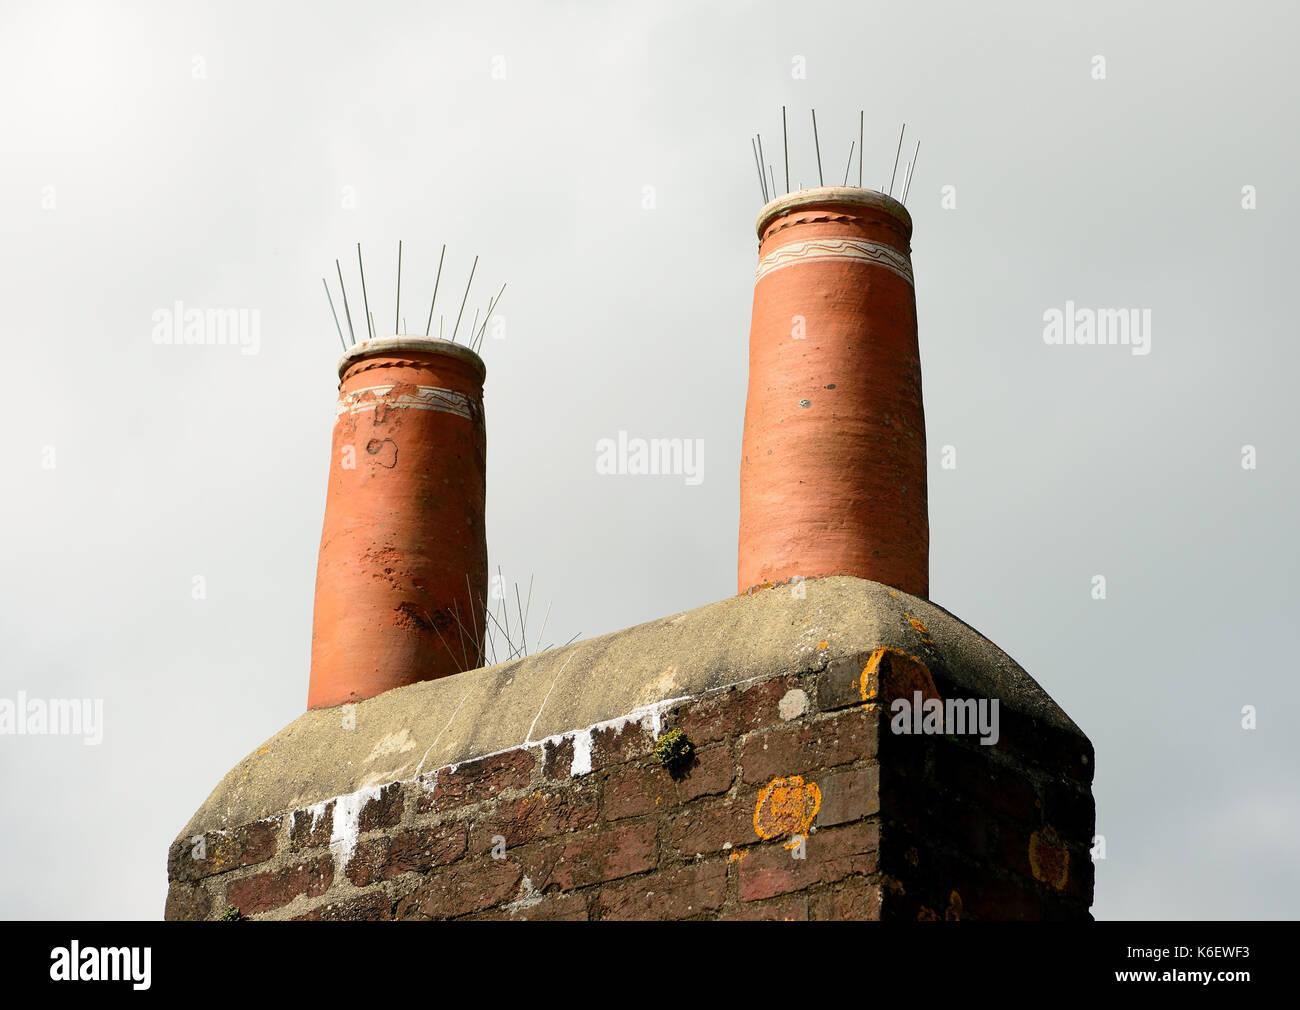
x,y
813,250
448,401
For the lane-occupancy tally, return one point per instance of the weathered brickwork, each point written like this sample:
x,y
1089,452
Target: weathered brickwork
x,y
800,802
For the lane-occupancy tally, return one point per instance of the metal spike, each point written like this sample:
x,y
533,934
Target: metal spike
x,y
364,296
435,293
335,315
465,299
818,146
397,316
486,319
503,596
848,164
785,143
472,619
523,628
912,171
348,311
762,184
896,154
761,159
861,120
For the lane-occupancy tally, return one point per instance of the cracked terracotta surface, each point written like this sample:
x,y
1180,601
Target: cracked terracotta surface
x,y
403,544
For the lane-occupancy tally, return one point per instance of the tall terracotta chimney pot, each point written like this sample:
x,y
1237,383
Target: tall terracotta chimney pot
x,y
833,471
403,553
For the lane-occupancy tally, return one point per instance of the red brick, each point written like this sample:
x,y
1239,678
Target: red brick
x,y
557,759
791,909
857,899
382,811
832,855
710,774
552,908
469,886
632,790
187,903
1070,808
713,827
840,684
801,747
984,896
627,741
678,893
479,779
540,815
967,773
309,829
1030,741
265,891
608,854
246,845
373,907
419,851
848,795
733,712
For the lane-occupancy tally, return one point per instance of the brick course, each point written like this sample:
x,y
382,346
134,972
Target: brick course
x,y
906,827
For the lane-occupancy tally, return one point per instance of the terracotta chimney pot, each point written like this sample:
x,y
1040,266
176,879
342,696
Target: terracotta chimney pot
x,y
403,553
833,471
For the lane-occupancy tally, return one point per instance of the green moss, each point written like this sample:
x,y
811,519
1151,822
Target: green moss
x,y
231,914
674,750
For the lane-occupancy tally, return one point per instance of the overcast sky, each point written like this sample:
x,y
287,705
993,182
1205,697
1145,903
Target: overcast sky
x,y
224,155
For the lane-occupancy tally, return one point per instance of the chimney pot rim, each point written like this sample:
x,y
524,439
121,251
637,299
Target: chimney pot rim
x,y
404,344
820,196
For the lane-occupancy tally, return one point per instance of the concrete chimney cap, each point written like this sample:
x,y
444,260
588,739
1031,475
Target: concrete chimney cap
x,y
398,345
821,196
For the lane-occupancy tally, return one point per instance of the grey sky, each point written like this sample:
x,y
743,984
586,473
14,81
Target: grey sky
x,y
130,184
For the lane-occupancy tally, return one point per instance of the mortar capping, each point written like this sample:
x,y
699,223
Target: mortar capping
x,y
833,196
403,344
537,700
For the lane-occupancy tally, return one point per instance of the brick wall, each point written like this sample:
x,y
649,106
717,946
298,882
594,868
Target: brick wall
x,y
798,802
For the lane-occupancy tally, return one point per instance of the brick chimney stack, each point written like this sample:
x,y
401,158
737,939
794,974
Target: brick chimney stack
x,y
833,471
403,556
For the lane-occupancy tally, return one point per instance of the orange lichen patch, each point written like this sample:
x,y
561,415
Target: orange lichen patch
x,y
1049,859
737,855
786,806
926,915
892,884
954,910
892,673
822,645
919,626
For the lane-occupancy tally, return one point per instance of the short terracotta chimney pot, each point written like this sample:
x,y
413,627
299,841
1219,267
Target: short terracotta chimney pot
x,y
403,554
833,470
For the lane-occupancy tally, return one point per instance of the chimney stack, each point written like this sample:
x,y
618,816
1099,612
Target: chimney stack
x,y
403,555
833,471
